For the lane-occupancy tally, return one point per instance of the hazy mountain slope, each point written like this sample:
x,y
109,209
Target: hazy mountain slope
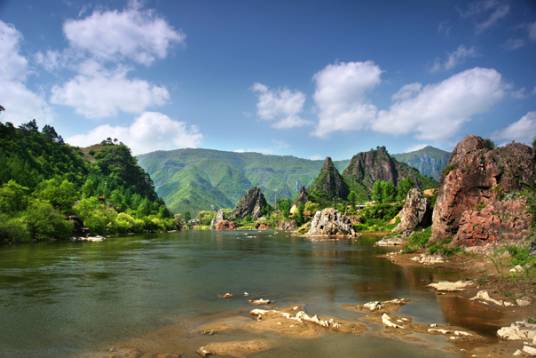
x,y
429,161
196,179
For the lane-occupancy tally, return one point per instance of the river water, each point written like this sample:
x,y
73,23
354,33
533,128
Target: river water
x,y
68,299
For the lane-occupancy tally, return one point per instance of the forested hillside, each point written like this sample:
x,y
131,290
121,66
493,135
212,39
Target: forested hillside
x,y
46,186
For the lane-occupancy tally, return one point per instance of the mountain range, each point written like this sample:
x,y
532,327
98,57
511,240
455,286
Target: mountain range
x,y
200,179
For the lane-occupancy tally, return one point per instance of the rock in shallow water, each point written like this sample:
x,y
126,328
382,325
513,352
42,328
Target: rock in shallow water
x,y
329,222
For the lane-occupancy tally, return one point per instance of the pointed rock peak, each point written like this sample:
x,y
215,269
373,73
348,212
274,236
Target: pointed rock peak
x,y
303,195
328,163
253,204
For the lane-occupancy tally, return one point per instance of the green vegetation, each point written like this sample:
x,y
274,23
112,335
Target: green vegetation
x,y
418,240
45,184
376,217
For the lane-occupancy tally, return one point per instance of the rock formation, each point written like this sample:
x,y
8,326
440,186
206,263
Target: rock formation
x,y
252,204
367,167
219,223
329,184
287,225
303,196
415,211
329,222
475,203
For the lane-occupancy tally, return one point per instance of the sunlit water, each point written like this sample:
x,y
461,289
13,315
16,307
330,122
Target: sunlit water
x,y
65,299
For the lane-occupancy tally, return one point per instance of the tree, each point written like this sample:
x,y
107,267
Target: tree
x,y
13,197
45,222
284,205
388,191
353,197
61,193
403,188
377,192
31,126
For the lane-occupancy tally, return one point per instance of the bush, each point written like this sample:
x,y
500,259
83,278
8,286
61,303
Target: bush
x,y
418,240
205,217
45,222
443,247
13,229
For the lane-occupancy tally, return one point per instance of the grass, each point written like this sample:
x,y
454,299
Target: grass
x,y
418,240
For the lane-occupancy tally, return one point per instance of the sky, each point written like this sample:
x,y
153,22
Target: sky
x,y
304,78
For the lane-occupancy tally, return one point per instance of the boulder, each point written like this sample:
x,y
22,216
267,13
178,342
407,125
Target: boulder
x,y
329,222
473,205
287,225
414,213
252,204
224,225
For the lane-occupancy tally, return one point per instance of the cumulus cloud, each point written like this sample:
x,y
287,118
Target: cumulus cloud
x,y
149,132
523,130
97,92
281,107
21,103
340,96
134,34
437,111
454,58
486,13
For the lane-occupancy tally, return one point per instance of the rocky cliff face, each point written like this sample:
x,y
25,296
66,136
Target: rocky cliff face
x,y
416,211
252,204
329,222
474,204
367,167
329,184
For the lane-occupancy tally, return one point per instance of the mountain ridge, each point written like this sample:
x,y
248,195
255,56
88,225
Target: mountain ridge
x,y
194,179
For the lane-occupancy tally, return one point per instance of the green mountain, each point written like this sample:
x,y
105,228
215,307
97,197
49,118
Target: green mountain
x,y
366,168
329,184
198,179
51,190
429,160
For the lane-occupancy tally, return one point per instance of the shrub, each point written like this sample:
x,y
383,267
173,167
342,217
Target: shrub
x,y
418,240
45,222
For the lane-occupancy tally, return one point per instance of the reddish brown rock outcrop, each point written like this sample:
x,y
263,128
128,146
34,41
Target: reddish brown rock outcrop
x,y
224,225
473,205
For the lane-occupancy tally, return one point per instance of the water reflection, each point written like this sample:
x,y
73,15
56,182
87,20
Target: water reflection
x,y
56,299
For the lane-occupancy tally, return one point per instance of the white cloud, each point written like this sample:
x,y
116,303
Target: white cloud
x,y
51,60
407,91
486,13
135,34
532,31
282,107
520,93
149,132
454,58
514,44
13,65
340,96
523,130
415,147
437,111
21,103
97,92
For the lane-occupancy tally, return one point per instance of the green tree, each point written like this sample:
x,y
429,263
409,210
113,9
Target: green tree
x,y
61,193
403,188
284,205
45,222
353,197
377,192
388,191
13,197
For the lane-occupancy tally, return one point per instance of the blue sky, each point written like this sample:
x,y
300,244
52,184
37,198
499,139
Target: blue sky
x,y
307,78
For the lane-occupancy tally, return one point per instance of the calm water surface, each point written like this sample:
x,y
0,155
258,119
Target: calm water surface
x,y
65,299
